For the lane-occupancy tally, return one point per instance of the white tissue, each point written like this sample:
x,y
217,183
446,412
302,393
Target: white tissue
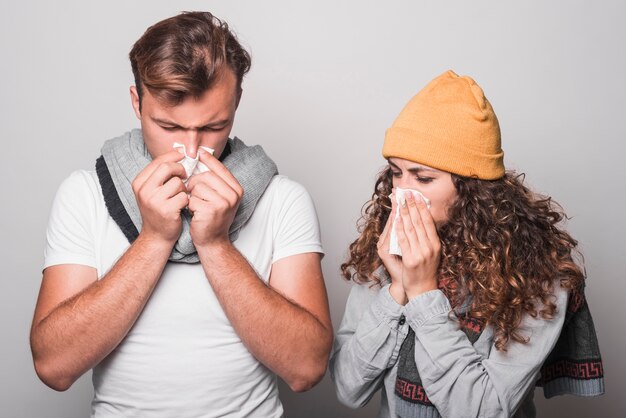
x,y
394,247
193,165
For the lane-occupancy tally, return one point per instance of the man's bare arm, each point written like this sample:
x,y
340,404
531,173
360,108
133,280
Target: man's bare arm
x,y
79,320
285,325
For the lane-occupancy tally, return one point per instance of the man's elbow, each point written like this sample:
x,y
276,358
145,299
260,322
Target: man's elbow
x,y
310,373
306,380
52,377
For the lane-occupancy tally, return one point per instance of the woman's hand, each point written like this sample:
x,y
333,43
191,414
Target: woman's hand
x,y
392,263
420,245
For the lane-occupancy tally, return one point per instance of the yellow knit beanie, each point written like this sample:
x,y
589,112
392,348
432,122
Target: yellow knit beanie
x,y
449,125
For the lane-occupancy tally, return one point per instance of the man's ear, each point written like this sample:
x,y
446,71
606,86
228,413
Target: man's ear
x,y
238,98
135,101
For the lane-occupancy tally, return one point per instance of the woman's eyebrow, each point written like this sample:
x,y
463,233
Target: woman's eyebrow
x,y
414,169
420,168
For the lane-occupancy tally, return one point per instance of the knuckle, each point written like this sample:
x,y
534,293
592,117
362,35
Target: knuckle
x,y
165,167
142,195
223,205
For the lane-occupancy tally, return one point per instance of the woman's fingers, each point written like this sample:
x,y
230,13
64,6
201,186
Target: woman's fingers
x,y
408,228
416,219
428,222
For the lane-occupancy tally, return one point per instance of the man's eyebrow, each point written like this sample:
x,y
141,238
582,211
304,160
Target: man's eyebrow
x,y
164,122
168,122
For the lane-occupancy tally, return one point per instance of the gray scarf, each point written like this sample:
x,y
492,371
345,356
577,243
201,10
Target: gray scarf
x,y
125,156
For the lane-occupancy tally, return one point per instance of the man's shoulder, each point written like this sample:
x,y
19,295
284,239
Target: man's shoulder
x,y
81,183
286,202
282,194
282,186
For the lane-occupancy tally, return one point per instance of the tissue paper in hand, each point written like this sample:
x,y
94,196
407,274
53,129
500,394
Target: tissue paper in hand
x,y
193,165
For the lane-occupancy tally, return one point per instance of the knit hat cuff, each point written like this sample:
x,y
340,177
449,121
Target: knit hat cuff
x,y
409,144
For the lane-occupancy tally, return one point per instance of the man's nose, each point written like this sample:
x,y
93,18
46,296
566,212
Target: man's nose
x,y
192,142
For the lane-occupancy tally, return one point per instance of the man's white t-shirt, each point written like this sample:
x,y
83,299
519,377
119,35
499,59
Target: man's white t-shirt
x,y
182,358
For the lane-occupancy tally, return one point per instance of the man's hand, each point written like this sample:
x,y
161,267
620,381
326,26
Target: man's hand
x,y
161,195
214,199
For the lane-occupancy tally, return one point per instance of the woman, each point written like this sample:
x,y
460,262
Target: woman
x,y
471,316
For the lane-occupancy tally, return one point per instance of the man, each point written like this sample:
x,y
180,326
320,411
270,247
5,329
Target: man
x,y
183,288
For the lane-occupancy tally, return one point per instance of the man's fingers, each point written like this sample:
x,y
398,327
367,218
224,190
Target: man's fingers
x,y
203,195
179,200
218,168
171,188
215,182
203,192
218,200
170,157
163,173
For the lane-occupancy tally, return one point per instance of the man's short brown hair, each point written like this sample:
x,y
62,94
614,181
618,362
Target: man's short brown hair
x,y
183,56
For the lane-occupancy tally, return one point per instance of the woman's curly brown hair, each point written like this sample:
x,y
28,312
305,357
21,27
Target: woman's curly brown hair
x,y
502,245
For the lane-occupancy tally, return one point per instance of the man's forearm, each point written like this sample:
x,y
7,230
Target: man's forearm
x,y
285,337
81,331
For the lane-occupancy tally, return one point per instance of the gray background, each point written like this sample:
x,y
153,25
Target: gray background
x,y
328,78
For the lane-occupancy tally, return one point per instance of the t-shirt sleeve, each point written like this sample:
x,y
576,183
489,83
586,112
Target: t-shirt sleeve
x,y
297,229
70,233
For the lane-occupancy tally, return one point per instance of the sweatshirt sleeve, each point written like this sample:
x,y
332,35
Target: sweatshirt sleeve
x,y
461,382
367,344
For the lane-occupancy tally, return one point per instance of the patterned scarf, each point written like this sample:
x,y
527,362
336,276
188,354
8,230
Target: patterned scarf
x,y
574,365
124,157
